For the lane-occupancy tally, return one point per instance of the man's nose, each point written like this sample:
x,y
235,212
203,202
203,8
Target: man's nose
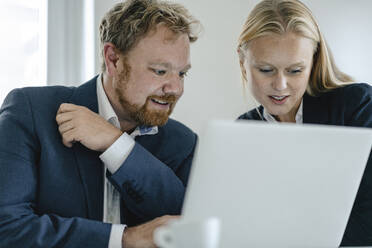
x,y
173,85
280,82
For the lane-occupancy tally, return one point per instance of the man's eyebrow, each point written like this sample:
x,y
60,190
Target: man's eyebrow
x,y
187,67
169,66
166,65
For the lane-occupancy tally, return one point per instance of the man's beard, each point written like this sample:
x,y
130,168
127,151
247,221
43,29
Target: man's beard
x,y
141,115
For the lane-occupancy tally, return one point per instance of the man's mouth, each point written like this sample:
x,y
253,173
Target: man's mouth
x,y
159,101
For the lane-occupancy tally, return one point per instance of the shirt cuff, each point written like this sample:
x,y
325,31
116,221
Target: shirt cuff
x,y
116,236
118,152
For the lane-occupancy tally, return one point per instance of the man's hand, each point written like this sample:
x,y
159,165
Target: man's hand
x,y
142,236
79,124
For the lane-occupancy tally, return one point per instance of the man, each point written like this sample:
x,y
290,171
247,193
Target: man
x,y
75,163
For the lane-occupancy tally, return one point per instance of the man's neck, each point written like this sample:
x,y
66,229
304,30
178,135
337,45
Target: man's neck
x,y
127,126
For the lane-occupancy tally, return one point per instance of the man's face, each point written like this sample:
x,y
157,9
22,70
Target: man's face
x,y
151,75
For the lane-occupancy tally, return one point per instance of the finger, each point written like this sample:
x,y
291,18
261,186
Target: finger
x,y
65,126
166,219
63,117
67,107
68,138
170,218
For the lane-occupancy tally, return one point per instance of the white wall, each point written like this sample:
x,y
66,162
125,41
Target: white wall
x,y
213,88
347,27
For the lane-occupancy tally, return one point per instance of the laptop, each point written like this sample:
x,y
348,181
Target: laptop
x,y
277,185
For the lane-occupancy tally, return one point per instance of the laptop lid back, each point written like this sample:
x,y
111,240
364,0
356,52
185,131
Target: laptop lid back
x,y
278,185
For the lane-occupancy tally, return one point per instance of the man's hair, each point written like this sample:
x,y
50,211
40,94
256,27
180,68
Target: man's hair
x,y
280,16
128,22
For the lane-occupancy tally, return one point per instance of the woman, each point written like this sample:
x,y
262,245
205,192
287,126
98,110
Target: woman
x,y
290,70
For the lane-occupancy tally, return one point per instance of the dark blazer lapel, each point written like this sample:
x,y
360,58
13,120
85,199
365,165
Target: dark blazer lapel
x,y
88,162
315,111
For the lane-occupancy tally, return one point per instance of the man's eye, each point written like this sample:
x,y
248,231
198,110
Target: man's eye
x,y
183,74
263,70
159,72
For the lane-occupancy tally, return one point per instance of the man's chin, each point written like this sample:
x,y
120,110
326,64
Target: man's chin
x,y
161,122
154,119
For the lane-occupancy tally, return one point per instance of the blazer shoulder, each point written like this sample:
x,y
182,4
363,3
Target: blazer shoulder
x,y
355,96
52,95
37,105
43,96
253,114
48,93
358,91
356,102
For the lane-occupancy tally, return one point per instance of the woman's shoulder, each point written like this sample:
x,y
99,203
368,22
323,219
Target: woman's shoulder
x,y
356,91
356,102
351,94
253,114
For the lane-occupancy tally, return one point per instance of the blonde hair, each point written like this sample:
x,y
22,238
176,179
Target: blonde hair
x,y
128,22
281,16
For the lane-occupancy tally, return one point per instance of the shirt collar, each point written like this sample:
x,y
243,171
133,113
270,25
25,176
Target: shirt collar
x,y
299,115
104,107
107,112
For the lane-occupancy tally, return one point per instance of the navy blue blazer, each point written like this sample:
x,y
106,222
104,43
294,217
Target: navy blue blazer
x,y
347,106
52,196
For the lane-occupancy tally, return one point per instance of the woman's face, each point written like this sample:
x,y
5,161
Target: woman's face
x,y
278,68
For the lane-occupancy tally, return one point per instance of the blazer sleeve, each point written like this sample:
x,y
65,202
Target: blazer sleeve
x,y
21,225
358,111
148,186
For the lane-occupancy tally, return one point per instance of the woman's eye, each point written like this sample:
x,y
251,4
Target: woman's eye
x,y
159,72
296,71
263,70
183,74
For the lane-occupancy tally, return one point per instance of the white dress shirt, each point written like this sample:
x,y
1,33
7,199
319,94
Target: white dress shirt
x,y
113,158
299,115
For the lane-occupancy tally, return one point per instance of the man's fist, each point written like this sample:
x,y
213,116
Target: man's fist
x,y
79,124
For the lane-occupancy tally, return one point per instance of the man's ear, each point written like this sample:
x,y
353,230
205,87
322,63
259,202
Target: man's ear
x,y
111,56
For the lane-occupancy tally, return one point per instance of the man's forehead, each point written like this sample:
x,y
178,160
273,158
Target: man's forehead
x,y
164,31
157,49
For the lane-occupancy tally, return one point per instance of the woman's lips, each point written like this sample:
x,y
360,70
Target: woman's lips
x,y
278,100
